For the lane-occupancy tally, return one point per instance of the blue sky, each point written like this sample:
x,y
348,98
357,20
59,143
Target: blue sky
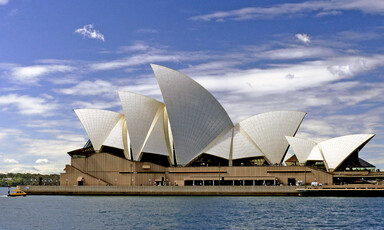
x,y
322,57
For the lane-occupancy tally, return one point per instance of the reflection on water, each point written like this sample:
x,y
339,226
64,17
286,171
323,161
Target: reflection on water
x,y
168,212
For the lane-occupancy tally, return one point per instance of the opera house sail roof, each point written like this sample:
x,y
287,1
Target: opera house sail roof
x,y
191,123
332,152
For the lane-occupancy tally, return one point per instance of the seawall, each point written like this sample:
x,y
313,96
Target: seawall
x,y
163,190
328,190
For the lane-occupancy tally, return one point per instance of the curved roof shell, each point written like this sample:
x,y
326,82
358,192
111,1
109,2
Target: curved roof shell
x,y
243,146
301,147
222,146
115,137
158,141
196,117
336,150
141,113
98,124
315,154
268,131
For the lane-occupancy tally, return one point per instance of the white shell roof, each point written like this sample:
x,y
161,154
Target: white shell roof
x,y
140,112
243,146
168,134
157,140
196,117
301,147
315,154
336,150
268,131
115,138
222,146
98,124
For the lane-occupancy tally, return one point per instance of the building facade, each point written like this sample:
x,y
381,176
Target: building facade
x,y
190,140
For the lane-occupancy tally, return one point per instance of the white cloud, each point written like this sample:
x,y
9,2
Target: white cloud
x,y
89,32
4,2
146,31
42,161
326,13
23,169
52,147
109,89
32,74
137,46
28,105
10,161
304,38
298,52
96,104
6,133
321,8
133,61
307,74
146,54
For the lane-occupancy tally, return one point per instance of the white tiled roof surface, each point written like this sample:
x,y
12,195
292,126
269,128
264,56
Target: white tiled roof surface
x,y
242,146
157,141
140,112
336,150
222,146
315,154
268,131
98,124
301,147
196,117
115,138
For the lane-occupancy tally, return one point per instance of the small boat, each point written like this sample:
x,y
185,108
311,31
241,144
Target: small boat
x,y
17,192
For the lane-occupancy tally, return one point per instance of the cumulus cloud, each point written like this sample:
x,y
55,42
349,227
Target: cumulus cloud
x,y
10,161
28,105
304,38
32,74
89,32
42,161
321,8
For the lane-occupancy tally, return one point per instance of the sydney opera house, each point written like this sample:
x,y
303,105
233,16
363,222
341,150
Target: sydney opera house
x,y
190,140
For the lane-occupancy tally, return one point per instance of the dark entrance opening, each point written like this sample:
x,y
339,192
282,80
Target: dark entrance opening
x,y
251,161
291,181
113,151
156,159
209,160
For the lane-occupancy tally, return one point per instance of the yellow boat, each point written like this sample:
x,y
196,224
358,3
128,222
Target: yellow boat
x,y
17,192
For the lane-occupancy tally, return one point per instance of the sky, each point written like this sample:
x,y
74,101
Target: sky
x,y
322,57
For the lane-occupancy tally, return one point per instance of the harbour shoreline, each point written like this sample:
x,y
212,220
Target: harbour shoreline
x,y
337,190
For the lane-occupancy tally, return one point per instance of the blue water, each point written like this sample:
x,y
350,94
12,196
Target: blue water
x,y
134,212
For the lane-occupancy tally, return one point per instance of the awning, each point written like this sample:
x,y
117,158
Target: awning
x,y
80,178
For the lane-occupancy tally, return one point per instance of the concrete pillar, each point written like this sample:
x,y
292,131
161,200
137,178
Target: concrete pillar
x,y
193,182
203,183
243,182
253,182
233,183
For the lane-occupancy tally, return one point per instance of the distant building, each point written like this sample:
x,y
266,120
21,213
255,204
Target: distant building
x,y
190,140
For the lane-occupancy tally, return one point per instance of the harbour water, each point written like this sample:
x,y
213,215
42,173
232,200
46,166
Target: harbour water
x,y
183,212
